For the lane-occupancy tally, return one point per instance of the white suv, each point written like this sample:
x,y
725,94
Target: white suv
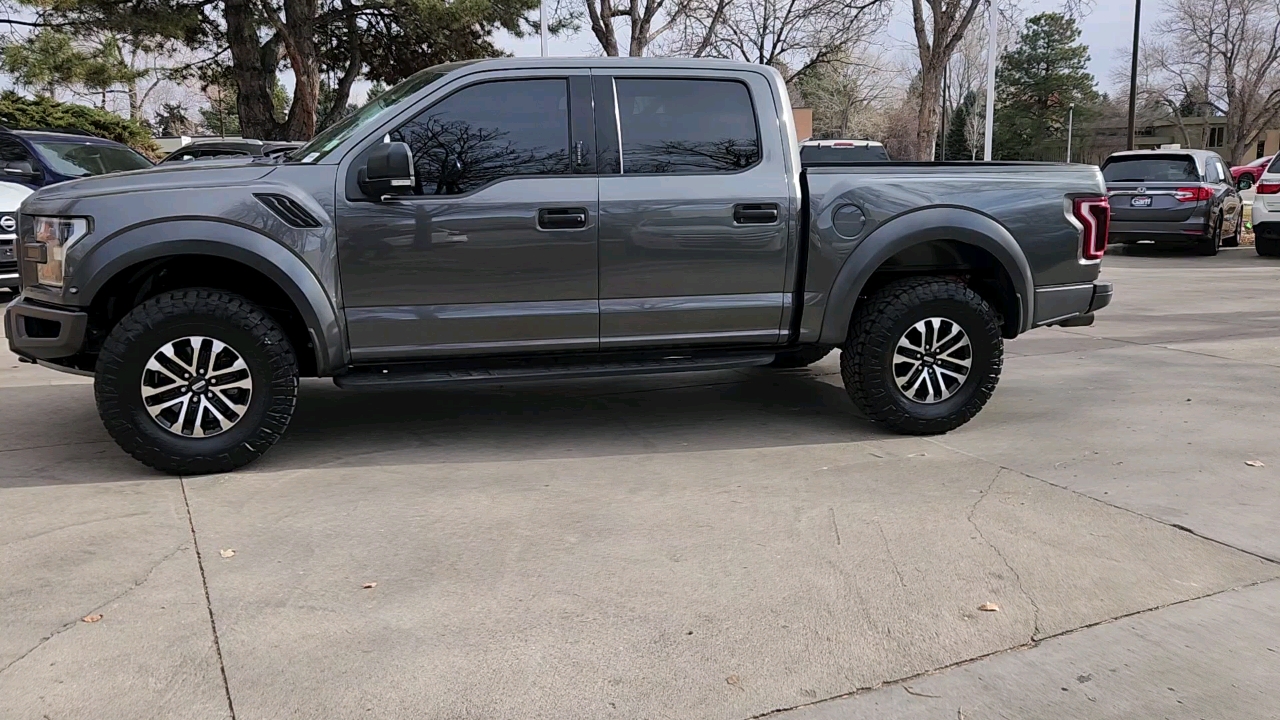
x,y
1266,211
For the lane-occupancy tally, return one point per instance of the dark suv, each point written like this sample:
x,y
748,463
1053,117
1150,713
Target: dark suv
x,y
232,147
36,158
1173,196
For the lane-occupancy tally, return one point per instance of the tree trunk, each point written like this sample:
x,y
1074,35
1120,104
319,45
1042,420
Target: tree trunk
x,y
300,46
930,92
602,25
255,78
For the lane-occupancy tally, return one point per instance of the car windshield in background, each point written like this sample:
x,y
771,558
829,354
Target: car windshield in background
x,y
331,138
1151,169
81,159
1275,164
849,153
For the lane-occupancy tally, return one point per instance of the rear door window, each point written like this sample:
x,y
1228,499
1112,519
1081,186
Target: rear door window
x,y
1174,169
686,126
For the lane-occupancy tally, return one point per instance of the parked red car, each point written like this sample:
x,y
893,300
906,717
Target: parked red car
x,y
1246,176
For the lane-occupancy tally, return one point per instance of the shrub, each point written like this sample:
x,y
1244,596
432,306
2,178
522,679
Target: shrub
x,y
20,113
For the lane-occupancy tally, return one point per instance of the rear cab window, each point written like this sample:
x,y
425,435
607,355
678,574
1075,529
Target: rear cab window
x,y
1151,169
689,126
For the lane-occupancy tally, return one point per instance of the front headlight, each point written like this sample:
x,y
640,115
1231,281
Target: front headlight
x,y
56,234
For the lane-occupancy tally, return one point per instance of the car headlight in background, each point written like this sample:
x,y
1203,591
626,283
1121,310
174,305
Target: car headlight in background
x,y
56,234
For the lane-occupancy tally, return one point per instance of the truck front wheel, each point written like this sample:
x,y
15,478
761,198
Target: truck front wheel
x,y
923,355
196,381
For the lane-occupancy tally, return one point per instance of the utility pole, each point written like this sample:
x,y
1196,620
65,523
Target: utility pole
x,y
542,25
1133,73
945,106
1071,116
992,51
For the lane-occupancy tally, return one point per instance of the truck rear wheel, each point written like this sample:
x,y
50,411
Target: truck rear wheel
x,y
923,355
804,357
196,381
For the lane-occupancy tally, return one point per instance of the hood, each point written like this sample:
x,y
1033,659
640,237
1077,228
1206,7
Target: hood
x,y
12,195
192,175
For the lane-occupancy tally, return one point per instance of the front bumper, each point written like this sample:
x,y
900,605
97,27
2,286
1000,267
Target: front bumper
x,y
44,333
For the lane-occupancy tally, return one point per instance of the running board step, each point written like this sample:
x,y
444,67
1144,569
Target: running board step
x,y
392,378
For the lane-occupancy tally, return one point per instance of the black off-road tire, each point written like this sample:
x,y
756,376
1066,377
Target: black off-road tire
x,y
1267,247
229,318
1211,243
866,363
804,357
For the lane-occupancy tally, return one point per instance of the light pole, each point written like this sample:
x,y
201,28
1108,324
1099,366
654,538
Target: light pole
x,y
991,77
1071,116
542,25
1133,72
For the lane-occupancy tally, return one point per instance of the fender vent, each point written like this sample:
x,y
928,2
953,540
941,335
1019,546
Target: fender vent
x,y
289,210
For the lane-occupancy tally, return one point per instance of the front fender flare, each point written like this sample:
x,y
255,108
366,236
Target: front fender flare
x,y
230,241
930,224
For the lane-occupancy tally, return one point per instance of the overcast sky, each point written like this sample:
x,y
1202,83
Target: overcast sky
x,y
1107,30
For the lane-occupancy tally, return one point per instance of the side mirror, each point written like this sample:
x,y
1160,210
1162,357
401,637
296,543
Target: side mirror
x,y
388,171
19,169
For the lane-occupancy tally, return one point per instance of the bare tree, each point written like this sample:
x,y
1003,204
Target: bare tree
x,y
695,21
938,30
794,36
845,94
1224,55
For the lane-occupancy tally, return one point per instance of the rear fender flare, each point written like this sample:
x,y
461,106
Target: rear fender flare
x,y
230,241
931,224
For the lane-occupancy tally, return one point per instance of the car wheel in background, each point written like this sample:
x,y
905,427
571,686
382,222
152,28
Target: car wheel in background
x,y
1212,242
923,355
1245,182
1267,247
196,381
1234,240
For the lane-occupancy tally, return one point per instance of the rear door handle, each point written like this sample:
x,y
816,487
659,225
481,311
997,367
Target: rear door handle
x,y
765,214
562,218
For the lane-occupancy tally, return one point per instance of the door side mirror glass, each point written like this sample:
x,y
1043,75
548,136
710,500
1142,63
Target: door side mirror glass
x,y
388,171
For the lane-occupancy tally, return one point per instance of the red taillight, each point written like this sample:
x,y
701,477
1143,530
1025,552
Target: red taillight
x,y
1195,194
1267,188
1094,215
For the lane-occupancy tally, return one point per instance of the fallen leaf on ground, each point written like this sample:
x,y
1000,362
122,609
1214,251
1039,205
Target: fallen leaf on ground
x,y
732,679
920,454
1254,463
989,607
229,552
92,618
369,586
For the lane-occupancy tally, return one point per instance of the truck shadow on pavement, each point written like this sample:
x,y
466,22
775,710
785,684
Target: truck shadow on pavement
x,y
674,413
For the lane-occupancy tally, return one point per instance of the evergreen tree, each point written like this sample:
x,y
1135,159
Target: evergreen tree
x,y
1039,78
958,147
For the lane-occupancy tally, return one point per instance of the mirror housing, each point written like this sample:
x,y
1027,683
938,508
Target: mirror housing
x,y
388,171
20,169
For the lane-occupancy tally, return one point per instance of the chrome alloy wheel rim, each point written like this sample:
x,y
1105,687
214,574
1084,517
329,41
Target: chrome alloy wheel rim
x,y
932,360
196,387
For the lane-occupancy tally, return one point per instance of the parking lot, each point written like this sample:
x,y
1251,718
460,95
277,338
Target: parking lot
x,y
724,545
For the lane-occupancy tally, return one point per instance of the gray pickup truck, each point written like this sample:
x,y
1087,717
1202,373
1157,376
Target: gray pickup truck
x,y
508,219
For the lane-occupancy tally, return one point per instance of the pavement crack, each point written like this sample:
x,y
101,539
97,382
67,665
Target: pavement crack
x,y
889,551
834,526
72,623
208,604
1017,578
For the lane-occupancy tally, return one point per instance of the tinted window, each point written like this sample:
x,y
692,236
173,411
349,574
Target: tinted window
x,y
1275,165
853,153
12,151
686,126
487,132
1177,168
80,159
1211,171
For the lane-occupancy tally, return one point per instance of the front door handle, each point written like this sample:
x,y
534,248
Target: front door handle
x,y
765,214
562,218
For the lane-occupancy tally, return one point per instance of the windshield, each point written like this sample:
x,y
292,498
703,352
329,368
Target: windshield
x,y
82,159
1178,168
322,144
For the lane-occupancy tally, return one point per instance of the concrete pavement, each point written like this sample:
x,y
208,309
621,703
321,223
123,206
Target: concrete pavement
x,y
721,545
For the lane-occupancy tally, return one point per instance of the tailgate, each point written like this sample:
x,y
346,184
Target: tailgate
x,y
1156,203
